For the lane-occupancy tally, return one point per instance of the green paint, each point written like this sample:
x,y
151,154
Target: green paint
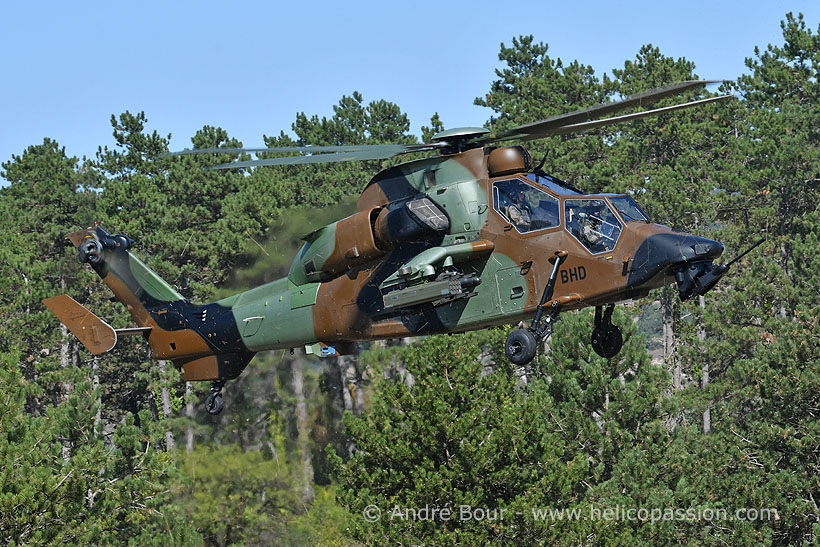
x,y
313,255
466,206
485,307
424,264
304,296
153,284
268,319
459,132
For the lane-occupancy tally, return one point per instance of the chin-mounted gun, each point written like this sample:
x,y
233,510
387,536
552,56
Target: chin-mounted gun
x,y
698,278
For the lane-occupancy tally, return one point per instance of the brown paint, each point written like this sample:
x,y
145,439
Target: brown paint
x,y
507,160
94,333
198,369
77,237
354,244
186,342
372,196
604,281
475,161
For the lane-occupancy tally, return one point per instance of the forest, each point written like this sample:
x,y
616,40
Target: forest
x,y
703,429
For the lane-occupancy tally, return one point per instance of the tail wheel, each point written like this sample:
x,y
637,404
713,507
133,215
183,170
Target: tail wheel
x,y
214,404
520,347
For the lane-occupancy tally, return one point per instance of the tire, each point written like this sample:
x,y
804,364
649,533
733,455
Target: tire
x,y
214,404
520,347
607,341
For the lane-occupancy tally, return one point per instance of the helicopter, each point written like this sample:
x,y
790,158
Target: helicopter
x,y
472,237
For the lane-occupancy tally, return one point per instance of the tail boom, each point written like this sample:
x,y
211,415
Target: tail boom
x,y
202,340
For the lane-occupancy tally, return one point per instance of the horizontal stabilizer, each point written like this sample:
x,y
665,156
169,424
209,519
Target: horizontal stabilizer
x,y
94,333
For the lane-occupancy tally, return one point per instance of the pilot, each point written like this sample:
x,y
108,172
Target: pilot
x,y
590,221
519,211
573,219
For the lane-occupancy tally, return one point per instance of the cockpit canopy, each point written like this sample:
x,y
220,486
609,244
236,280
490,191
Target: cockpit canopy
x,y
628,209
594,221
525,207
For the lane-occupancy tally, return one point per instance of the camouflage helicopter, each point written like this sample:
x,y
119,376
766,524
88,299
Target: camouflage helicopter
x,y
469,238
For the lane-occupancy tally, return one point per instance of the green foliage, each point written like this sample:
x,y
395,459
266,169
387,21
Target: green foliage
x,y
436,126
352,122
246,496
237,496
469,433
60,482
47,194
533,86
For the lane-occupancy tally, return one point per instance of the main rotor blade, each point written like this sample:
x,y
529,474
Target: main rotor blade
x,y
372,152
274,150
578,127
544,128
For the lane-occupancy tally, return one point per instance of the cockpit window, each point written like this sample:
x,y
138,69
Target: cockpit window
x,y
629,209
527,208
592,223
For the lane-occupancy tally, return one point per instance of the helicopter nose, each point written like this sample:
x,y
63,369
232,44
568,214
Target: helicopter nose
x,y
669,251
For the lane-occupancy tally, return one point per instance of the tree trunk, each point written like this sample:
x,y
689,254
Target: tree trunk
x,y
302,424
704,375
65,347
165,396
189,413
668,319
65,357
95,382
333,381
356,384
347,398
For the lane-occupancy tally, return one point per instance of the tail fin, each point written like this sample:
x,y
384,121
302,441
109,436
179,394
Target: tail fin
x,y
94,333
133,283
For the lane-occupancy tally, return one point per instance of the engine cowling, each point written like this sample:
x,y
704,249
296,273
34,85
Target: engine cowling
x,y
366,236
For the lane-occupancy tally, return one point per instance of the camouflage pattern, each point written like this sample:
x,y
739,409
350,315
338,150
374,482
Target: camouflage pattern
x,y
427,252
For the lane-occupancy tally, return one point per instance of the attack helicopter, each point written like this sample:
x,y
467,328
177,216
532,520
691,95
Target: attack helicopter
x,y
471,237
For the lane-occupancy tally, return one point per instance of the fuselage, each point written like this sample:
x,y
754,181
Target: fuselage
x,y
340,285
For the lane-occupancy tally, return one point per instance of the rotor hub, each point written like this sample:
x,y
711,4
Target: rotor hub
x,y
459,139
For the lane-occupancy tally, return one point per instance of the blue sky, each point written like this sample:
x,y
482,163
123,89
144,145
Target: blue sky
x,y
249,67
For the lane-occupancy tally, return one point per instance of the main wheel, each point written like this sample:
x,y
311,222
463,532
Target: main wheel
x,y
213,404
520,347
607,340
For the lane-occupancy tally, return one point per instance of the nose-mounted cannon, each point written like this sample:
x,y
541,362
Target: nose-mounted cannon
x,y
698,278
687,258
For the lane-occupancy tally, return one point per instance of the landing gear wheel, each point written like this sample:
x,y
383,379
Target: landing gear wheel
x,y
607,340
213,404
520,347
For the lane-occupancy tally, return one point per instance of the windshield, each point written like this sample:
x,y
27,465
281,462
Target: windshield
x,y
628,209
592,223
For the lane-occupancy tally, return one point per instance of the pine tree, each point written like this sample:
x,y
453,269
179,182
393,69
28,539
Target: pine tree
x,y
99,494
468,433
47,193
533,86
